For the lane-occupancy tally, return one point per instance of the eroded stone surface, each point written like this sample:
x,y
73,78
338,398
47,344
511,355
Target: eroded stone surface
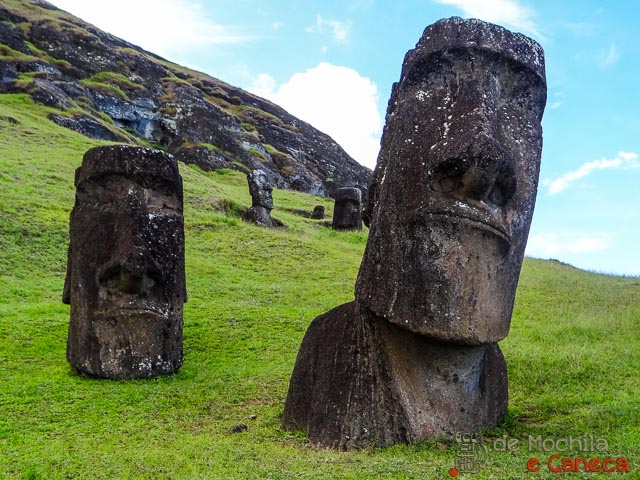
x,y
347,209
360,380
125,277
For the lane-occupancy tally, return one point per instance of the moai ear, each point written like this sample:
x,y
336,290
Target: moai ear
x,y
184,293
66,291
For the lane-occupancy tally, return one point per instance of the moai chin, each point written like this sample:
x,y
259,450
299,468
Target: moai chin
x,y
347,209
261,199
414,356
455,184
125,277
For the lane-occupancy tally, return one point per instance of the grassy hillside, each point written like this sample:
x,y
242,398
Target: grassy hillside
x,y
573,352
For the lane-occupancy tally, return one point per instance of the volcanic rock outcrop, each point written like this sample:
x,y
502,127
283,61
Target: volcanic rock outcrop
x,y
126,274
415,355
109,89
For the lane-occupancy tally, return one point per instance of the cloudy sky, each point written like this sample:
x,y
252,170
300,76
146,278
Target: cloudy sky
x,y
332,63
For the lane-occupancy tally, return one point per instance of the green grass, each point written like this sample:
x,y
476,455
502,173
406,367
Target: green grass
x,y
116,79
573,352
106,88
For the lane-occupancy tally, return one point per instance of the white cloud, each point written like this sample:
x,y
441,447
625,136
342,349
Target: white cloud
x,y
558,100
623,160
546,245
506,12
336,100
165,27
339,30
609,56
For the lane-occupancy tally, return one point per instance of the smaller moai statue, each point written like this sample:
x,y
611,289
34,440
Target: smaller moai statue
x,y
347,209
261,199
318,212
125,277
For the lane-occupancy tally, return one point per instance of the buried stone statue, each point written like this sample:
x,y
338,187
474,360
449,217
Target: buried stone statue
x,y
415,355
261,199
126,275
347,209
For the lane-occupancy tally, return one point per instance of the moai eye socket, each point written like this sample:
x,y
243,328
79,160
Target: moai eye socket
x,y
503,189
110,278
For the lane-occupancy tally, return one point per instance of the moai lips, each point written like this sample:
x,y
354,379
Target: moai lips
x,y
125,277
455,184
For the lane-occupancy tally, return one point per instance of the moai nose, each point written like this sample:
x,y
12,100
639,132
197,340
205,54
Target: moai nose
x,y
479,179
138,275
485,163
132,274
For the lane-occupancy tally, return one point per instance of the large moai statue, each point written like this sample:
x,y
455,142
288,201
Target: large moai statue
x,y
415,355
125,273
261,199
347,209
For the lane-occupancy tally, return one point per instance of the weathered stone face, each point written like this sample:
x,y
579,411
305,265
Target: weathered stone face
x,y
261,199
347,209
455,184
260,189
126,277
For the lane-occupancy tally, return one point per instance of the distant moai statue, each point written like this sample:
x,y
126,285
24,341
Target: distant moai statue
x,y
261,199
318,212
415,355
347,209
125,277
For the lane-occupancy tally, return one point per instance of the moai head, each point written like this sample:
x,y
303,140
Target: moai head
x,y
318,212
346,211
455,185
125,276
260,189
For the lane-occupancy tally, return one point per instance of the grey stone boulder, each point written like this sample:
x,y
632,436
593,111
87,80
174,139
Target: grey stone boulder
x,y
87,126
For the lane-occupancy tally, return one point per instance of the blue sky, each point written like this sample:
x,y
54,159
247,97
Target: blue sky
x,y
332,63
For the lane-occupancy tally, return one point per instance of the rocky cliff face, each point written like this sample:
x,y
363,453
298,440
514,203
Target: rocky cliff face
x,y
109,89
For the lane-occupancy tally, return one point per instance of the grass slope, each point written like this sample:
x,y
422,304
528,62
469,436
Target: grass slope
x,y
573,352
